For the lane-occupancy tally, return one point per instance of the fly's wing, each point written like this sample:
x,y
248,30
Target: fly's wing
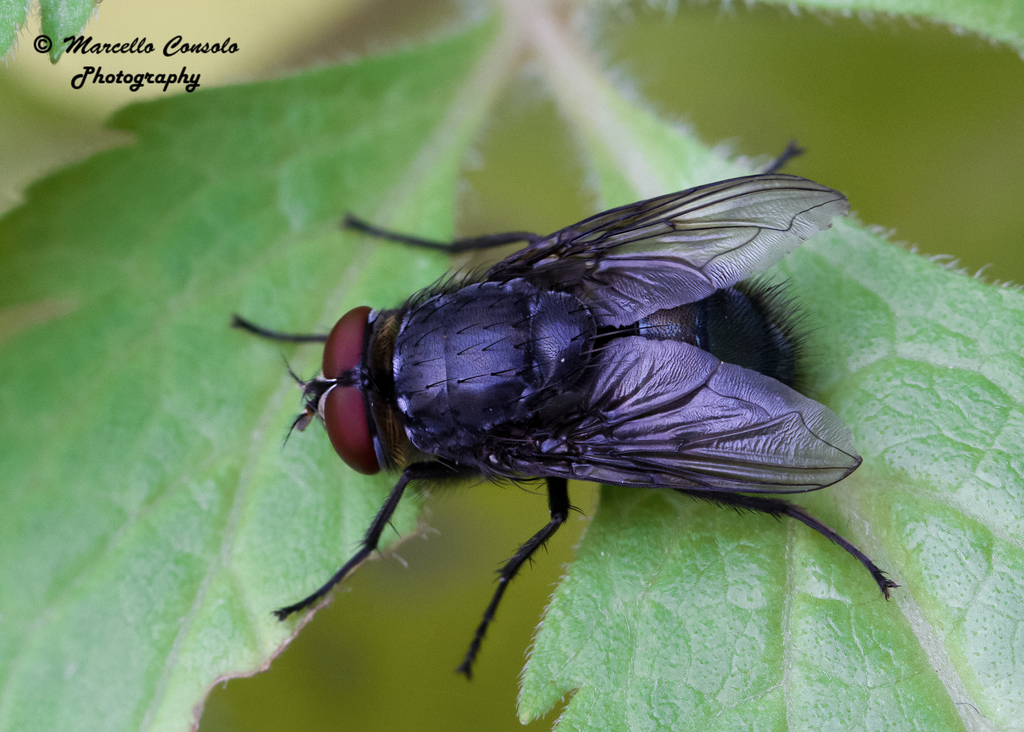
x,y
671,250
668,414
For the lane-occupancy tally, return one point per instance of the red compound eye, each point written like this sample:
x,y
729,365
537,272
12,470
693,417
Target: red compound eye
x,y
344,409
344,347
345,417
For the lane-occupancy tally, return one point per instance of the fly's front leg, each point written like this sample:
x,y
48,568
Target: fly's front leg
x,y
558,505
416,471
237,321
778,508
458,245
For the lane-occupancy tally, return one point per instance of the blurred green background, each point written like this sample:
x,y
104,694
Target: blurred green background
x,y
921,129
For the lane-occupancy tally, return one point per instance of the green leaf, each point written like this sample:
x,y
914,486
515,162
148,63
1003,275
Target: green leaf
x,y
63,18
999,20
12,17
684,616
150,519
58,20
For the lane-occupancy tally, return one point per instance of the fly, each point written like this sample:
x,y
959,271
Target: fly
x,y
626,349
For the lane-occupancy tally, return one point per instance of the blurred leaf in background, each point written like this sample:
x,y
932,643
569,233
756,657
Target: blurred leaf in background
x,y
151,520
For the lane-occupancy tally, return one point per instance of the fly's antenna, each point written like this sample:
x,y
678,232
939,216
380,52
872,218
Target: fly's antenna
x,y
300,423
298,380
306,416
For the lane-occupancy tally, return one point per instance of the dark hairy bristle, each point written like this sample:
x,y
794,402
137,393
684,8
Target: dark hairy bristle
x,y
769,326
777,299
452,281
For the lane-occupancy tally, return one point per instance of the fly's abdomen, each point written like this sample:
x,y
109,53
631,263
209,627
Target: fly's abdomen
x,y
487,354
751,326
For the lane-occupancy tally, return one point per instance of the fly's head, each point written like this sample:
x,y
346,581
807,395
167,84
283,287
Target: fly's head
x,y
336,395
353,393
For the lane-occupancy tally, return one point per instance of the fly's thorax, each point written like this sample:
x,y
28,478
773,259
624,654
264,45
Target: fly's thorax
x,y
488,354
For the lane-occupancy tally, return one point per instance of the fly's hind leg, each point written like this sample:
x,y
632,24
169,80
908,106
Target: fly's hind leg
x,y
792,150
458,245
779,508
558,505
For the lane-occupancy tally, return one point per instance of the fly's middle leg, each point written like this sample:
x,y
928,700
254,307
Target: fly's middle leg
x,y
558,504
452,247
